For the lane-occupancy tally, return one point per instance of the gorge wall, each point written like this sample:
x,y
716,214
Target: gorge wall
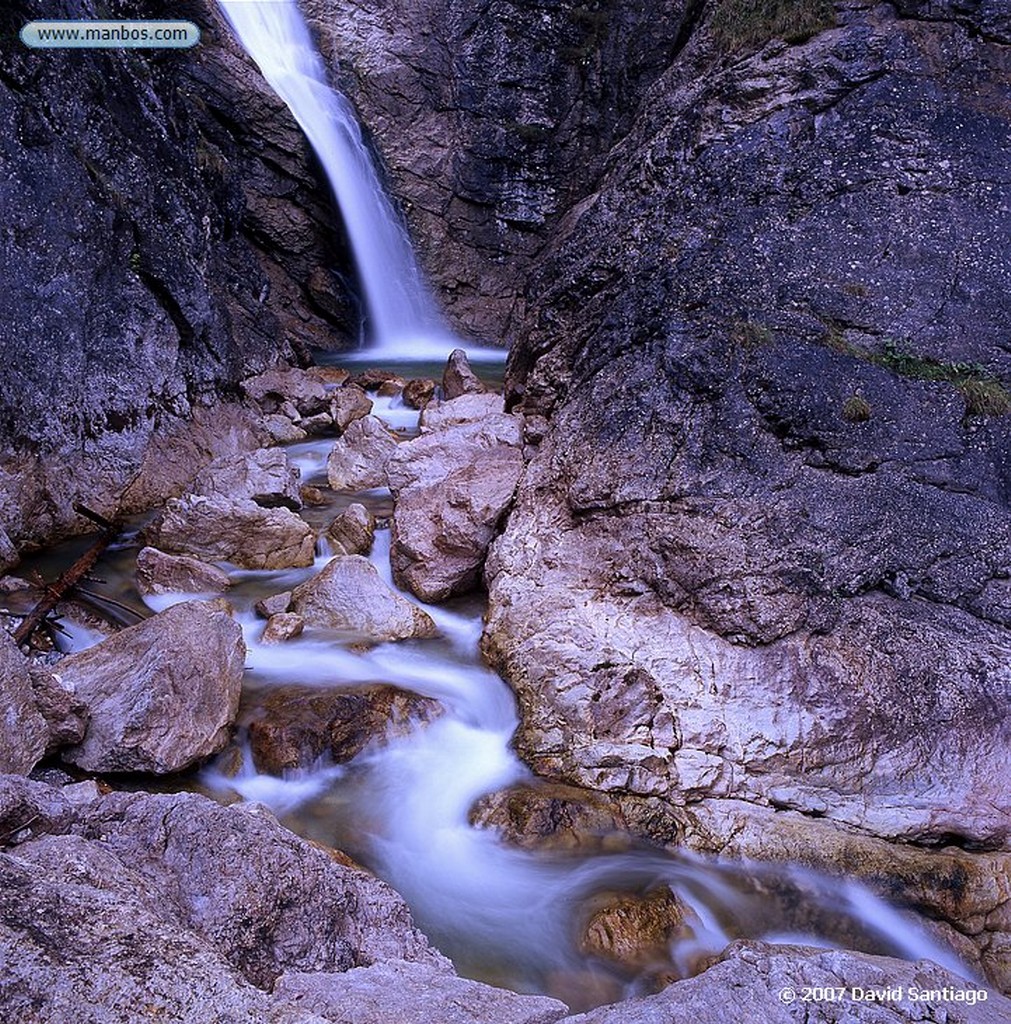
x,y
166,236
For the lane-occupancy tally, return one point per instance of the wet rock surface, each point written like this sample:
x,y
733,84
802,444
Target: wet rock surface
x,y
160,695
299,725
353,531
264,477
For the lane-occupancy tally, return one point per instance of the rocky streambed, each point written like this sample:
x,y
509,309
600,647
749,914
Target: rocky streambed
x,y
308,656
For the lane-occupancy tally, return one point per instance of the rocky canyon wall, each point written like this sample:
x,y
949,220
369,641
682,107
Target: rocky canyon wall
x,y
166,235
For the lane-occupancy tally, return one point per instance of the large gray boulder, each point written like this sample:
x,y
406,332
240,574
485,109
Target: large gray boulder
x,y
349,595
159,573
160,695
451,488
358,460
265,477
240,532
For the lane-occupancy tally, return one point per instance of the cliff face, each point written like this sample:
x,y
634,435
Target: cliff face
x,y
165,237
758,567
493,120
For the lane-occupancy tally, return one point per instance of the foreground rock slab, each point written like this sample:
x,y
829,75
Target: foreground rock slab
x,y
161,695
756,982
349,595
413,993
451,488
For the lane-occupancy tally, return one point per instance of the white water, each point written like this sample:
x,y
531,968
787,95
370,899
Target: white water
x,y
402,317
403,806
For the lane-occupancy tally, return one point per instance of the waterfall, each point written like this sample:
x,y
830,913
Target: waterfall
x,y
402,319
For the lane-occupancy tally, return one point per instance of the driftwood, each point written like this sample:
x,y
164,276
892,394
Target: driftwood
x,y
55,592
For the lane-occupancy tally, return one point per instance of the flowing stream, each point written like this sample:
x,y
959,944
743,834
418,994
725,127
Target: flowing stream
x,y
403,806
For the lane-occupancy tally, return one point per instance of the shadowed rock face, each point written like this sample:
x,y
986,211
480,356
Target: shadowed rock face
x,y
168,237
491,122
762,554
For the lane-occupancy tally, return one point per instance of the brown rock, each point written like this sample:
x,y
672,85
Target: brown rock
x,y
264,477
161,695
458,378
159,573
313,495
451,488
419,392
302,724
373,378
239,532
358,460
349,403
281,627
350,596
353,531
636,931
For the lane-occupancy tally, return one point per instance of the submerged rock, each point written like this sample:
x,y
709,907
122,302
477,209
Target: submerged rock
x,y
240,532
159,573
349,595
265,477
358,460
301,725
160,695
451,488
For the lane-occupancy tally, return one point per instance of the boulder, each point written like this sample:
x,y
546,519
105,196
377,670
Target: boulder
x,y
451,489
465,409
120,902
458,378
61,706
375,377
419,392
24,735
159,573
161,695
300,725
353,531
240,532
265,477
281,627
349,403
358,460
772,984
349,595
413,993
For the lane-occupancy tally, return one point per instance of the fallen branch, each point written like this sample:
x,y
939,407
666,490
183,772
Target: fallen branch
x,y
55,592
